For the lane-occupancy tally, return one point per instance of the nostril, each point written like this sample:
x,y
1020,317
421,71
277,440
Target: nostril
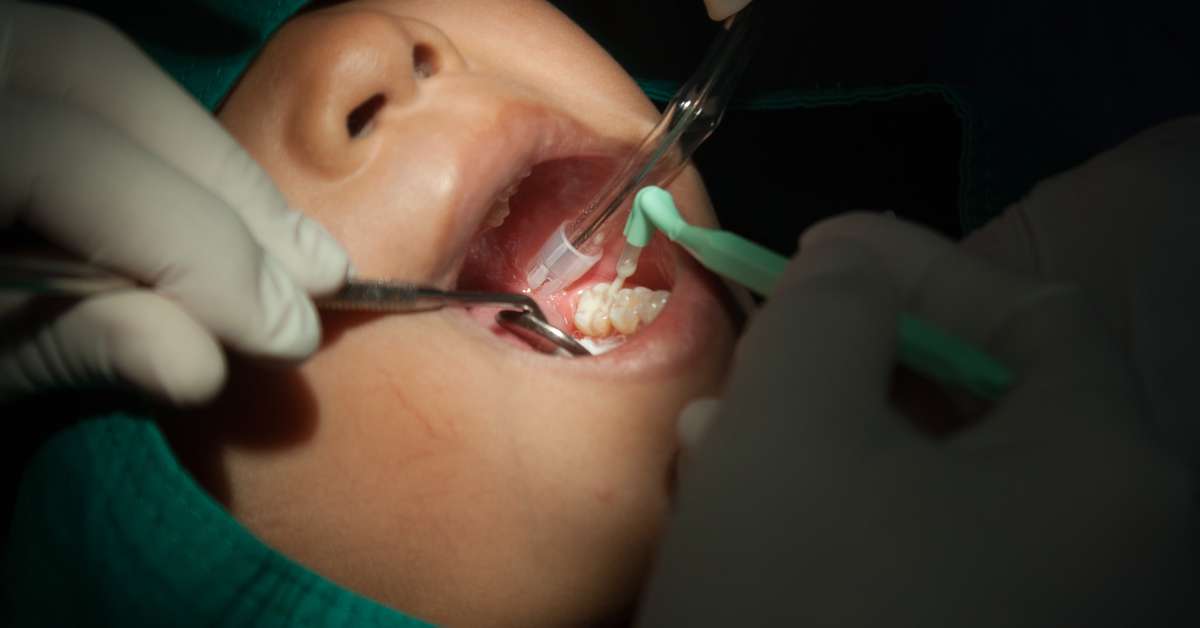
x,y
424,61
358,121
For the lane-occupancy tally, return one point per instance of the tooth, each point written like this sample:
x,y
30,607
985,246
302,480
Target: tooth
x,y
583,313
653,306
599,324
624,312
591,315
510,191
497,214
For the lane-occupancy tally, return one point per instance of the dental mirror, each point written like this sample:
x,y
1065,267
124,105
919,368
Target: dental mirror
x,y
540,334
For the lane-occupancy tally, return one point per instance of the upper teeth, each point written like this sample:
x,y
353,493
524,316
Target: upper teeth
x,y
509,191
602,310
497,214
500,209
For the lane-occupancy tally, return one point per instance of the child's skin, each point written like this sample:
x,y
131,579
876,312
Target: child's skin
x,y
419,459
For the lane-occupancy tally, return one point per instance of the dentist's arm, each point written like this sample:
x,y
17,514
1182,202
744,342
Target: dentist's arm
x,y
813,500
107,158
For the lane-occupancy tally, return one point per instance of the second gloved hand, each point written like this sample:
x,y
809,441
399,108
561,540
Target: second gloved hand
x,y
813,501
108,159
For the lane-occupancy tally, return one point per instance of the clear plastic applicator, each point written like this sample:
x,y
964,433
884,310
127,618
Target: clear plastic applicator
x,y
691,116
922,347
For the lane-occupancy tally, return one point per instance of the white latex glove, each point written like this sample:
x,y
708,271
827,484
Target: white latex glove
x,y
106,157
812,501
1124,225
721,9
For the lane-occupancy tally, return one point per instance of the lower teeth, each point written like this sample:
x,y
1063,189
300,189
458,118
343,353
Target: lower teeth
x,y
602,311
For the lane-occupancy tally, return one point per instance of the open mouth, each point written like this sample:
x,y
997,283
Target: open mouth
x,y
525,213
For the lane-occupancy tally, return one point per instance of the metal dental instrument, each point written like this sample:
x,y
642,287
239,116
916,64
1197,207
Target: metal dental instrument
x,y
370,295
527,321
46,276
539,333
691,116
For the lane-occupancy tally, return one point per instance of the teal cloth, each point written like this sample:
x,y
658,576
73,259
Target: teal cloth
x,y
109,530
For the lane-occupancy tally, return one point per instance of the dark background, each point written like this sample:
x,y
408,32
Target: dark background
x,y
1030,88
772,172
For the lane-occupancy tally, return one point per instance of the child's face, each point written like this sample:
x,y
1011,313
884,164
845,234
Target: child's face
x,y
435,464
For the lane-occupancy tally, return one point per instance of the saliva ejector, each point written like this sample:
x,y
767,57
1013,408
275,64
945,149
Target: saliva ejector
x,y
690,117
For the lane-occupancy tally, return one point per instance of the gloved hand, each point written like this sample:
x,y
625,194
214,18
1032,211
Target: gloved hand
x,y
721,9
1123,226
104,156
813,501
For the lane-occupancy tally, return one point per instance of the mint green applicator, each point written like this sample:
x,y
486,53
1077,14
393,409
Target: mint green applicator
x,y
923,347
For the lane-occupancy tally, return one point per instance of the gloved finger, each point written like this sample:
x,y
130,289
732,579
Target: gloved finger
x,y
1007,241
133,337
691,426
821,349
721,9
1042,331
55,53
942,283
90,190
694,421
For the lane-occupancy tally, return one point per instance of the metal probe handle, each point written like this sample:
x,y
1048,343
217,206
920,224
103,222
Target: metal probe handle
x,y
52,276
392,296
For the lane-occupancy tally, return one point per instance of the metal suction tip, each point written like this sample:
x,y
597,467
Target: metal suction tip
x,y
540,334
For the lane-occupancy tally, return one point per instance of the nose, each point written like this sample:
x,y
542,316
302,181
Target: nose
x,y
356,65
414,53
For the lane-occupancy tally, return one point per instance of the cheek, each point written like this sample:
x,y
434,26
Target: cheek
x,y
411,376
596,449
392,217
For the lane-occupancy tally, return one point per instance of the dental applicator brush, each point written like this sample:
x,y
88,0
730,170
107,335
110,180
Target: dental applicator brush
x,y
923,347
